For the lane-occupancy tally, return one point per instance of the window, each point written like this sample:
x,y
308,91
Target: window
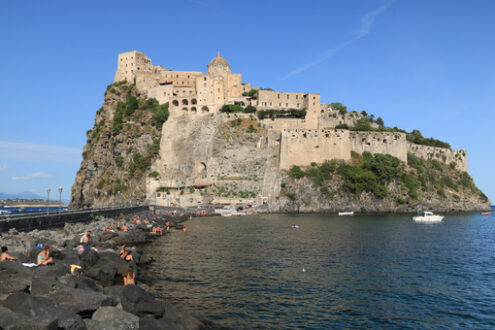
x,y
270,103
204,85
205,78
219,90
280,104
278,95
287,96
298,105
297,97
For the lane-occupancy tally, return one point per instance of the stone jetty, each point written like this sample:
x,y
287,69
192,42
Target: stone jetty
x,y
63,296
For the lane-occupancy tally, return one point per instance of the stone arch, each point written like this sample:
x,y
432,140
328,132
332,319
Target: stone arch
x,y
201,169
205,109
175,103
194,101
185,102
184,109
194,109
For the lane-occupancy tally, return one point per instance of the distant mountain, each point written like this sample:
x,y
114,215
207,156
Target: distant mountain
x,y
22,195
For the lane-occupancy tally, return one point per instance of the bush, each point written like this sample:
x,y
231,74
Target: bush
x,y
161,114
416,137
411,184
154,174
362,124
342,126
231,108
272,113
250,109
337,106
251,129
117,121
290,195
296,173
119,161
251,93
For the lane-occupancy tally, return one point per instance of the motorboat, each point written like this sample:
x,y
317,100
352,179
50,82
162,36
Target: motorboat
x,y
428,217
346,213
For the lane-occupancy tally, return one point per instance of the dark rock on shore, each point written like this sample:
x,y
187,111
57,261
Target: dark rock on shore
x,y
52,297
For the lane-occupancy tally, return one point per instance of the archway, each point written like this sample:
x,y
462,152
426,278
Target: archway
x,y
185,102
193,101
205,109
175,103
184,109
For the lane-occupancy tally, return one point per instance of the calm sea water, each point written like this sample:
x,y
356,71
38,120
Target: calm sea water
x,y
361,271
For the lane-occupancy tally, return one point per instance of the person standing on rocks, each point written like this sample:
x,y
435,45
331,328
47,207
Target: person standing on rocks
x,y
6,256
129,277
44,256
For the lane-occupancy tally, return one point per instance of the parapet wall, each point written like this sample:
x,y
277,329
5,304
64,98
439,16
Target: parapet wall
x,y
304,146
444,155
391,143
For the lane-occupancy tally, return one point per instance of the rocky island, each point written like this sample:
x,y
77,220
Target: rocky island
x,y
186,138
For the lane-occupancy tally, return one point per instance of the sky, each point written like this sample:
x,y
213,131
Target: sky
x,y
418,64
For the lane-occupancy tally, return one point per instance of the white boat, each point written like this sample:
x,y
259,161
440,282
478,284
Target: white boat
x,y
346,213
428,217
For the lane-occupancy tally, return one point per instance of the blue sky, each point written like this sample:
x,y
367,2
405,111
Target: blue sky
x,y
425,65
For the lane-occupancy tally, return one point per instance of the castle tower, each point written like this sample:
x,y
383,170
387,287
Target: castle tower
x,y
219,66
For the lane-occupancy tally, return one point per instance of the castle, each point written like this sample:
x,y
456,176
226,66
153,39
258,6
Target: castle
x,y
195,100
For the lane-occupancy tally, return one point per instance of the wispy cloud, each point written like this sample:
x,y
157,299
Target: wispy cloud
x,y
38,152
3,168
366,22
32,176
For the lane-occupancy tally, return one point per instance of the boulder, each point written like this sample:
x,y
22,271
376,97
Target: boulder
x,y
44,285
156,324
83,302
139,302
107,313
12,320
14,277
89,257
103,272
181,318
44,309
79,282
57,269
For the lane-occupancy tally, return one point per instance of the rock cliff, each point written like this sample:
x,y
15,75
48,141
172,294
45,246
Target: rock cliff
x,y
135,155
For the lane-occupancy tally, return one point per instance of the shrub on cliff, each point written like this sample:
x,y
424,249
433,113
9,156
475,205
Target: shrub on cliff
x,y
251,93
231,108
337,106
295,172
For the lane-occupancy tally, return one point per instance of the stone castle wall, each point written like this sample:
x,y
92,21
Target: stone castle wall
x,y
304,146
444,155
394,144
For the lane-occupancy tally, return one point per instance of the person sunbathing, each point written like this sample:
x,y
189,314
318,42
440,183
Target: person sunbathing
x,y
6,256
129,277
157,230
125,228
44,256
125,254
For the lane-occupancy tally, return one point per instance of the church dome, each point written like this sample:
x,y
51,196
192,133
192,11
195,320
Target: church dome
x,y
218,63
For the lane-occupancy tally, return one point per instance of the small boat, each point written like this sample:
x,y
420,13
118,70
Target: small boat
x,y
486,213
428,217
346,213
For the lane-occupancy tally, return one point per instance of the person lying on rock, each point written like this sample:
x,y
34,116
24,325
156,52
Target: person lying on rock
x,y
125,254
129,277
125,228
44,256
6,256
156,230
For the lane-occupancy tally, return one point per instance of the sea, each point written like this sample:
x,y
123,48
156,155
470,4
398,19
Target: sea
x,y
29,209
364,271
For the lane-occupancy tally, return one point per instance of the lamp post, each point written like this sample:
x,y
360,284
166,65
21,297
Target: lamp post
x,y
47,199
60,198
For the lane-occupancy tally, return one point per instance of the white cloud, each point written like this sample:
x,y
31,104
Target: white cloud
x,y
365,28
3,168
36,175
33,152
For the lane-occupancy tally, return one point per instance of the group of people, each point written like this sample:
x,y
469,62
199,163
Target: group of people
x,y
43,258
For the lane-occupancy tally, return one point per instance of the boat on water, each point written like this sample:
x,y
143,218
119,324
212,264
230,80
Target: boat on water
x,y
347,213
428,217
486,213
5,212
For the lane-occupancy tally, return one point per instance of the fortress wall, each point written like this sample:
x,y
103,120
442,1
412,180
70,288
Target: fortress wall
x,y
179,78
444,155
279,100
162,93
146,80
284,123
390,143
304,146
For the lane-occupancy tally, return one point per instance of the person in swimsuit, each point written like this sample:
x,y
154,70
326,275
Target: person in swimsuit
x,y
126,255
129,277
125,228
6,256
44,256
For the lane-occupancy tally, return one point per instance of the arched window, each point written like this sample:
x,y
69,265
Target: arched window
x,y
193,109
205,109
175,102
184,109
193,101
185,102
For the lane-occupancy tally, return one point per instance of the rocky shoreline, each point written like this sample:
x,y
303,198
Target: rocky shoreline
x,y
94,297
